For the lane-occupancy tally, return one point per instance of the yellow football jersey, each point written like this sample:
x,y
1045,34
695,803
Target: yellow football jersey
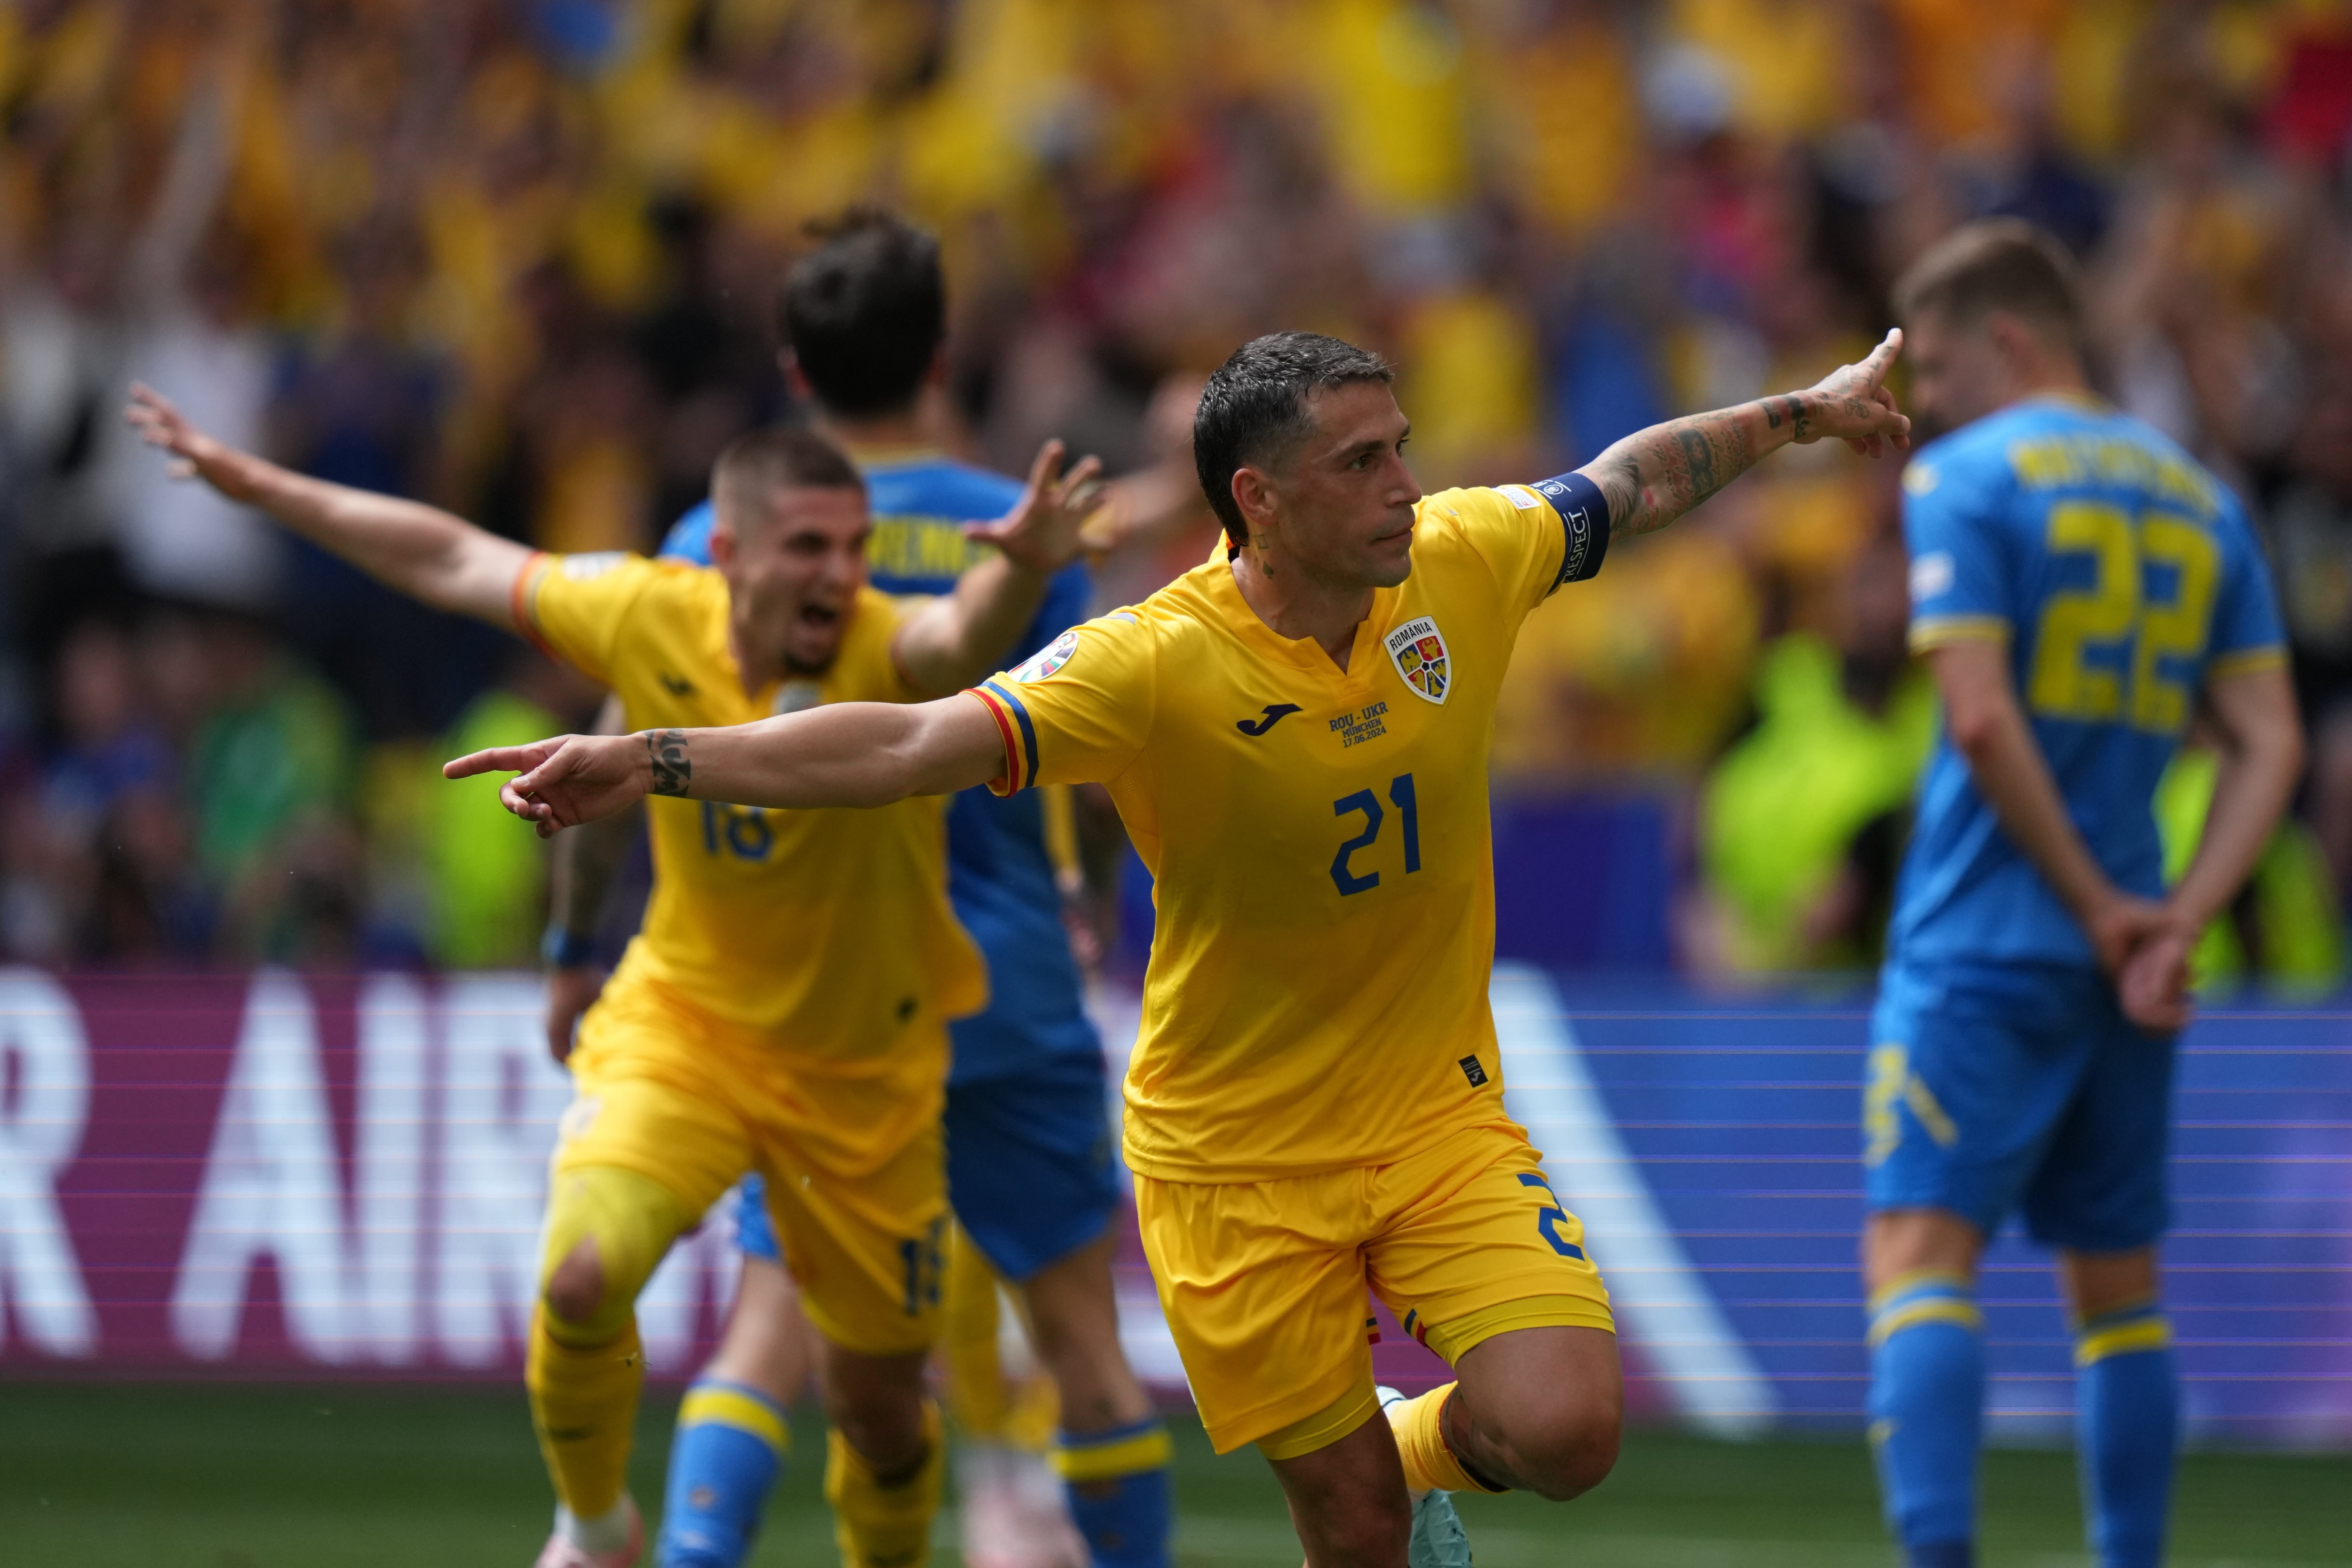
x,y
828,929
1318,840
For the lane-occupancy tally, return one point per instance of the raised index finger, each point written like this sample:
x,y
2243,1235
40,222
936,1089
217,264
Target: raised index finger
x,y
1875,364
497,760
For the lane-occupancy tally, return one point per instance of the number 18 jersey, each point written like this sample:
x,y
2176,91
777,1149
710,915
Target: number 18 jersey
x,y
2122,577
1318,840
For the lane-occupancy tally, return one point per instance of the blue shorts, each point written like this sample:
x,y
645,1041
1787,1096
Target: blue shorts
x,y
1030,1172
2018,1086
755,1234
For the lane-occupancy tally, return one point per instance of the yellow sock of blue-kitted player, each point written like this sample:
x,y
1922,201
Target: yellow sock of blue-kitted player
x,y
584,1371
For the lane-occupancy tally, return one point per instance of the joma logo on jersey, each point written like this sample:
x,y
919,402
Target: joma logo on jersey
x,y
1417,648
1276,712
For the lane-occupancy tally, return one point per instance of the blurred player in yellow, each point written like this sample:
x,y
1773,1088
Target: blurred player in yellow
x,y
785,1008
1296,733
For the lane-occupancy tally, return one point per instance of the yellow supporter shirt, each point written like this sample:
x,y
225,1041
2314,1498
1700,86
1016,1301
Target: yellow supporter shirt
x,y
1318,840
828,932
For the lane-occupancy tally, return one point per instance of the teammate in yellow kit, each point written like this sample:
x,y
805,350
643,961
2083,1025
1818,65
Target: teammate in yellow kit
x,y
785,1007
1296,735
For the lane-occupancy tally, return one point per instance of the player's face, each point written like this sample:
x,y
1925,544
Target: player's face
x,y
1958,374
792,570
1345,494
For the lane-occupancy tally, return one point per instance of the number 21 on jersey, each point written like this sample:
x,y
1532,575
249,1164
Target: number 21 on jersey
x,y
1344,876
2124,610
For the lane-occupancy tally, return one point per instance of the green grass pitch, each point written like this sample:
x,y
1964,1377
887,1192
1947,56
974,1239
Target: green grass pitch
x,y
220,1475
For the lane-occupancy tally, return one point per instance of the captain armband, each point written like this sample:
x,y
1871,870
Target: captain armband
x,y
1584,518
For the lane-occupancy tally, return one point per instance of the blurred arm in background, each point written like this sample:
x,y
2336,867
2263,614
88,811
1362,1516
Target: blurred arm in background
x,y
2253,717
580,876
428,554
964,636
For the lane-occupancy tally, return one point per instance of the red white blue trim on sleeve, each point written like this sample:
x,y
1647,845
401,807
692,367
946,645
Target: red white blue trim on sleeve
x,y
1018,733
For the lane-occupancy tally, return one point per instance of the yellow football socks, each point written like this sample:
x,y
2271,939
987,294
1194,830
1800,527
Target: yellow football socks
x,y
879,1523
1421,1442
584,1376
583,1403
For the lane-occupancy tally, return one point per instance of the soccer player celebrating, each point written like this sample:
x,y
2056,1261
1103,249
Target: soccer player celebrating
x,y
786,1006
1295,734
1030,1177
2079,586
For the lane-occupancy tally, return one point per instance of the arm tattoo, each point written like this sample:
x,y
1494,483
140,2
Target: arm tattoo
x,y
1619,479
1665,470
672,767
1785,408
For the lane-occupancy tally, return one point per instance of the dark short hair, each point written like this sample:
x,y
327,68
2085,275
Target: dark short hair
x,y
1253,409
1997,264
779,456
865,313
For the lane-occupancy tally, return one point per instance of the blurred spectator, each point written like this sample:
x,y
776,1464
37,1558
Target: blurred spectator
x,y
93,849
2310,513
270,769
189,290
488,871
1802,824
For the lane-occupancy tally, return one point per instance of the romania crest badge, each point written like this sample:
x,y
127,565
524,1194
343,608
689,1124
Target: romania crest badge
x,y
1417,648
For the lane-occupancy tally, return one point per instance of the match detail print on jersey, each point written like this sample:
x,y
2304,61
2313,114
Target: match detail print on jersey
x,y
1417,648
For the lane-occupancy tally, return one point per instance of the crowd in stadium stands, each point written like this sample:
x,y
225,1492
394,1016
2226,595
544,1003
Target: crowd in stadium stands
x,y
515,256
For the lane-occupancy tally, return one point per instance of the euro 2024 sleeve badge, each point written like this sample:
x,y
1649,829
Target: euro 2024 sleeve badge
x,y
1417,648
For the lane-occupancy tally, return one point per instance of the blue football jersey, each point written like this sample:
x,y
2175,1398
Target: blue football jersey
x,y
2123,577
1000,876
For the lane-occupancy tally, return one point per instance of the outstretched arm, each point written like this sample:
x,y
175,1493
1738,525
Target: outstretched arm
x,y
580,874
965,636
421,550
1653,476
847,753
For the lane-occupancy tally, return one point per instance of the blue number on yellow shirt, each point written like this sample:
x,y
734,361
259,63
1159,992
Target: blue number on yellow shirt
x,y
743,829
2061,685
1401,795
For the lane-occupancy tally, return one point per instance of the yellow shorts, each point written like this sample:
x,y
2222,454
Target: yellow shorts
x,y
1264,1282
855,1166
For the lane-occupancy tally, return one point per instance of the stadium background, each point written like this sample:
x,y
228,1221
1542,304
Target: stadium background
x,y
273,1108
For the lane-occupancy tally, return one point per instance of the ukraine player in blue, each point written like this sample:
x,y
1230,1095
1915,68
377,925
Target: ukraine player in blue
x,y
2080,586
1029,1155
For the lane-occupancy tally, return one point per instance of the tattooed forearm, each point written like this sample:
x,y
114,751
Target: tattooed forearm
x,y
1653,476
672,767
